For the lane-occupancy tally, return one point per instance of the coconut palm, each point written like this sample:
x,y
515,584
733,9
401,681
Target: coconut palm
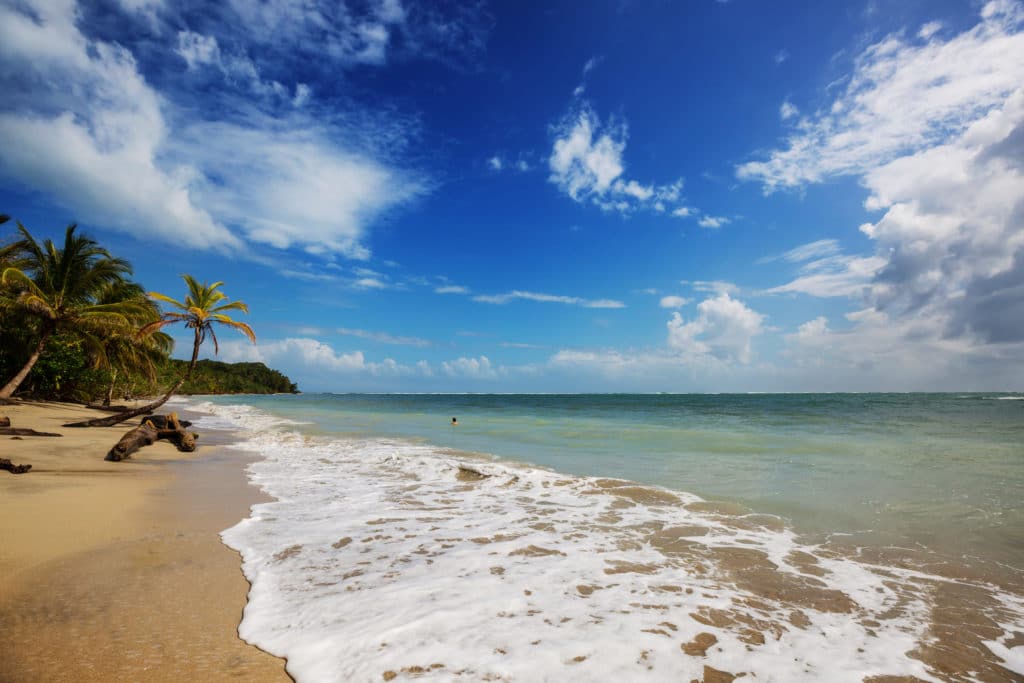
x,y
124,351
204,306
200,310
58,287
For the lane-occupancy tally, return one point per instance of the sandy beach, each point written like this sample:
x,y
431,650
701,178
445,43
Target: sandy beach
x,y
115,571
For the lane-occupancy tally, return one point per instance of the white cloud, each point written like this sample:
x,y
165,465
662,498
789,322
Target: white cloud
x,y
812,250
673,301
197,50
929,30
473,368
935,132
547,298
586,163
451,289
712,221
299,354
495,163
302,94
714,286
832,276
294,187
101,159
788,110
724,328
781,56
903,96
586,160
94,134
371,283
383,337
683,212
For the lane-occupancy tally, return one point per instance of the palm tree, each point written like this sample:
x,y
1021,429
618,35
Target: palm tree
x,y
58,287
124,351
199,311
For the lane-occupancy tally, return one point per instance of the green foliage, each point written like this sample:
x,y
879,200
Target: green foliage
x,y
99,330
64,371
215,377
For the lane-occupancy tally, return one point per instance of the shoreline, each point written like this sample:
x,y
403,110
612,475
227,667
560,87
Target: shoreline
x,y
116,570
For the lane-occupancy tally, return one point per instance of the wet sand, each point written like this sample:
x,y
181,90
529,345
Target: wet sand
x,y
115,571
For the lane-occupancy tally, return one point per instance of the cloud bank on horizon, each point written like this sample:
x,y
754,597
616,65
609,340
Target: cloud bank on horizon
x,y
431,206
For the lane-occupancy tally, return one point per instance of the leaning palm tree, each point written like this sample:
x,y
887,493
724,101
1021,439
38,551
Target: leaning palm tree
x,y
58,287
203,306
124,352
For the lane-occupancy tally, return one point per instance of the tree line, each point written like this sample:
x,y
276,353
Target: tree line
x,y
74,325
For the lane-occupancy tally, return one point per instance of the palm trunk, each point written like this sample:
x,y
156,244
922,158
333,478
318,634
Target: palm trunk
x,y
16,381
110,389
149,407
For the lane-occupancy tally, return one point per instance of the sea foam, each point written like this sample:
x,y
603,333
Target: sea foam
x,y
383,559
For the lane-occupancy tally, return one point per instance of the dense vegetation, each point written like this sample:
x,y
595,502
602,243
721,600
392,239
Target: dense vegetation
x,y
215,377
75,326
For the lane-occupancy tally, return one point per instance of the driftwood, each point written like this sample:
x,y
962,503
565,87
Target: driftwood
x,y
117,418
163,421
21,431
133,440
108,409
148,433
175,432
5,422
6,464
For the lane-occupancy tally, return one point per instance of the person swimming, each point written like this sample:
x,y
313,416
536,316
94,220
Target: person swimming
x,y
455,422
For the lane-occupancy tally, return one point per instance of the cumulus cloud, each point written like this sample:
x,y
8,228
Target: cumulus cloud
x,y
547,298
293,187
904,95
933,127
586,163
301,353
788,110
673,301
90,130
712,221
724,328
473,368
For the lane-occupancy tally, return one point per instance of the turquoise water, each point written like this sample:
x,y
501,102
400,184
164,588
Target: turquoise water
x,y
942,471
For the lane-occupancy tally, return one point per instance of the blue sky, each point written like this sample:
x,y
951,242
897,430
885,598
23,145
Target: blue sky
x,y
605,196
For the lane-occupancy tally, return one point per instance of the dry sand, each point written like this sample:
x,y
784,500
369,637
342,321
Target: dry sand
x,y
115,571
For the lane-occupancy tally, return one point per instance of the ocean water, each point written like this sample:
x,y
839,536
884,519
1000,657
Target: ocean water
x,y
634,537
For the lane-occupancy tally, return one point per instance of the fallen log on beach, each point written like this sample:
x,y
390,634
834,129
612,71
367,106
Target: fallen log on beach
x,y
148,433
107,409
6,464
21,431
133,440
174,431
163,421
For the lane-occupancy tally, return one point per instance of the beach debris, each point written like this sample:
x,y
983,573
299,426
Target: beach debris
x,y
163,421
5,422
143,435
147,433
21,431
6,464
108,409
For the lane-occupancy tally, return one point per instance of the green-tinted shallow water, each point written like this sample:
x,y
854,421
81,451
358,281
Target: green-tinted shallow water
x,y
945,471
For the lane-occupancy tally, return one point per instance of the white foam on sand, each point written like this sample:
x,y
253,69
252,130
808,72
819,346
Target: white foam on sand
x,y
384,556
